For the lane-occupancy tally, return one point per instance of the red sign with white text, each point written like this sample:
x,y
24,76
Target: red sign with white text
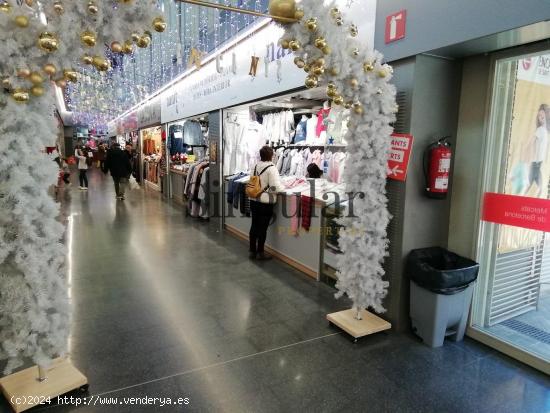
x,y
517,211
396,24
398,158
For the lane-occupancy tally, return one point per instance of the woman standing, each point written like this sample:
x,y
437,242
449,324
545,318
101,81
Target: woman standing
x,y
82,167
262,207
539,149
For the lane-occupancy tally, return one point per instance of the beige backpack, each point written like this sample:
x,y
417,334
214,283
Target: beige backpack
x,y
254,187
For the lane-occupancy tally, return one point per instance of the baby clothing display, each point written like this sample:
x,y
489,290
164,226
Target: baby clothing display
x,y
279,126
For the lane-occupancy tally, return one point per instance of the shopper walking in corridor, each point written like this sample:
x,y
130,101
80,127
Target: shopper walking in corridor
x,y
82,157
118,163
262,207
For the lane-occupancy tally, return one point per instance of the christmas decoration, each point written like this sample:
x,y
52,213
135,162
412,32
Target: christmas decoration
x,y
282,8
355,78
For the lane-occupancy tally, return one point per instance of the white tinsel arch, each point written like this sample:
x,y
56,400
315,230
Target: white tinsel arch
x,y
34,306
359,80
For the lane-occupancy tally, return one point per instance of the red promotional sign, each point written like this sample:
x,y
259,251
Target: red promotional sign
x,y
517,211
395,26
398,158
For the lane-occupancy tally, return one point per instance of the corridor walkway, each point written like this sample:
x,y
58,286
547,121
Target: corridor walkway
x,y
166,306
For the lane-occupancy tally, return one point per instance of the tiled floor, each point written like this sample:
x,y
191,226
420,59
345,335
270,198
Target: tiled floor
x,y
166,306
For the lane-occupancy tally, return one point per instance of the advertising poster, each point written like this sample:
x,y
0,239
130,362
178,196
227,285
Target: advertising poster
x,y
528,173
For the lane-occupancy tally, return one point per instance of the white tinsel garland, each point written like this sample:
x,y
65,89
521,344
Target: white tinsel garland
x,y
372,103
34,306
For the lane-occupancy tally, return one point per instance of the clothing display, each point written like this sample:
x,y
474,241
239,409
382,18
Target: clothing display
x,y
300,134
306,208
337,125
196,189
294,162
279,126
322,117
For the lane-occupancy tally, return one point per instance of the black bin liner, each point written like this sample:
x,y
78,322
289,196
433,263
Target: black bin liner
x,y
441,271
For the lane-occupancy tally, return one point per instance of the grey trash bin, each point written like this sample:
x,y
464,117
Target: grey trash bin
x,y
441,293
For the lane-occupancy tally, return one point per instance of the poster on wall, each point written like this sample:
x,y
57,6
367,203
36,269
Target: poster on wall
x,y
528,173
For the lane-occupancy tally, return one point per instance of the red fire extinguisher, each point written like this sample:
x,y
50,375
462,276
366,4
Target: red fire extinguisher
x,y
437,168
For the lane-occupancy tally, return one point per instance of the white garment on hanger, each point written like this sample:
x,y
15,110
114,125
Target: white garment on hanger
x,y
311,130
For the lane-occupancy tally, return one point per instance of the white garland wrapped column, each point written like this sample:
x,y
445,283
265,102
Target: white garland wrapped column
x,y
362,81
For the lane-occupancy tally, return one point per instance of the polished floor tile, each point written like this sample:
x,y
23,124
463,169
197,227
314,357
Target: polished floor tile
x,y
169,307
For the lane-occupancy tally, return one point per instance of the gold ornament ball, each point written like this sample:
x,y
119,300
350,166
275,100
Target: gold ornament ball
x,y
116,47
348,105
320,62
5,7
159,24
22,21
88,38
6,83
24,73
353,31
339,21
307,68
334,12
100,63
298,61
327,50
70,75
285,43
318,70
332,92
29,3
382,73
354,83
128,47
20,96
135,37
282,8
36,78
338,100
49,69
58,7
87,59
358,108
294,45
355,52
92,8
62,83
331,85
37,90
311,81
48,41
334,71
144,41
311,24
299,15
368,67
320,43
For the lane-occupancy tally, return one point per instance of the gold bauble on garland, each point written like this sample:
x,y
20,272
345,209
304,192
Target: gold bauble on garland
x,y
135,37
354,83
70,75
326,50
87,59
294,45
116,47
5,7
299,15
20,96
338,100
92,7
49,69
58,7
318,70
285,43
339,21
311,24
335,13
62,83
320,42
368,67
282,8
21,21
144,41
37,90
311,81
88,38
331,92
355,52
353,31
298,61
307,68
100,63
6,83
23,73
128,47
358,108
48,41
36,78
159,24
334,71
320,62
348,105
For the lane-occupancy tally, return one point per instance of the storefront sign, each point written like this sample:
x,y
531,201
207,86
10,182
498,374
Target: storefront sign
x,y
398,158
127,124
517,211
149,114
396,24
535,69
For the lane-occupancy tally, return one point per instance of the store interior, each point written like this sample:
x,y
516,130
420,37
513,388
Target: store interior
x,y
151,156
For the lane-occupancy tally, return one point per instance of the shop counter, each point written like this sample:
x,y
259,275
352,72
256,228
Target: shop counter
x,y
302,251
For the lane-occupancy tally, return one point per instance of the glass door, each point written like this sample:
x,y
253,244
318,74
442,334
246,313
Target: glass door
x,y
512,299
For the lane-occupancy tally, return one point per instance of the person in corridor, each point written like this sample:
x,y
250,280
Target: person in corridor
x,y
262,207
82,157
118,163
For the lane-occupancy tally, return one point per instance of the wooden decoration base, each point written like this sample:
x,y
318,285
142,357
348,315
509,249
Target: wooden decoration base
x,y
23,391
369,324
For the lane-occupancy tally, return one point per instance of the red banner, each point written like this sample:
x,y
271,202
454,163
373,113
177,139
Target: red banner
x,y
517,211
398,158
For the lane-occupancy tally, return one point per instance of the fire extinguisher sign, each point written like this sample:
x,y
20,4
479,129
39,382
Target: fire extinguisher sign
x,y
399,155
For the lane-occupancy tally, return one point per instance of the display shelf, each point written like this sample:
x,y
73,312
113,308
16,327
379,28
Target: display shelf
x,y
24,387
369,323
